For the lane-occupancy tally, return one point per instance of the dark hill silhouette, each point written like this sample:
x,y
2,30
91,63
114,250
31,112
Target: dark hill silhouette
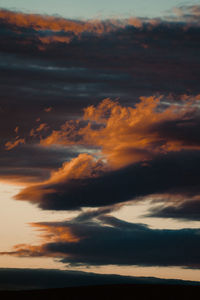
x,y
109,292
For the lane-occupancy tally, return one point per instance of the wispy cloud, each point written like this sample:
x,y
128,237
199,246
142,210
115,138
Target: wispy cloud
x,y
12,144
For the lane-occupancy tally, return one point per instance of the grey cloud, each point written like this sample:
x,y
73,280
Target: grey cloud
x,y
172,173
110,241
187,210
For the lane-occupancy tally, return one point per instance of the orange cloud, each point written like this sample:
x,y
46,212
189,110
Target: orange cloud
x,y
55,233
125,135
141,137
16,130
50,233
56,24
24,250
54,38
10,145
81,167
40,22
135,22
41,127
62,30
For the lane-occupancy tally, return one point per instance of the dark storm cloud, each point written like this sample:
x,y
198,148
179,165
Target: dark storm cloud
x,y
110,241
172,173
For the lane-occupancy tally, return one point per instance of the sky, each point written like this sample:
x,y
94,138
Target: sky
x,y
100,148
90,9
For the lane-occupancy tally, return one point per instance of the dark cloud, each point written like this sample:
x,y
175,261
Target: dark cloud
x,y
31,162
110,241
129,244
40,68
66,65
151,59
185,131
186,210
172,173
126,62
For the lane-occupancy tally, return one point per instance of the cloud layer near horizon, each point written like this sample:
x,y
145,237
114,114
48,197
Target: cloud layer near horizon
x,y
99,239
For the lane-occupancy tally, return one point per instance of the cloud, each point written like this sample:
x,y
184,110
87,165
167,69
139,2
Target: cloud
x,y
121,59
31,162
12,144
127,135
128,153
110,241
16,130
120,150
36,132
188,14
48,109
184,209
165,47
55,24
124,63
175,173
50,29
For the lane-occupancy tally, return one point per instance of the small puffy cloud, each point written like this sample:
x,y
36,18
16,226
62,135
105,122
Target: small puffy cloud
x,y
36,131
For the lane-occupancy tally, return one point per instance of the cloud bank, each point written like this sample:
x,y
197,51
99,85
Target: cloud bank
x,y
105,240
95,114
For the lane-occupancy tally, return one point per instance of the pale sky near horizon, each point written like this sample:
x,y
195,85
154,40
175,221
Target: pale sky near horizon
x,y
94,9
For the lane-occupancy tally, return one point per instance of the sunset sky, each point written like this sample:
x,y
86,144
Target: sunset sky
x,y
100,145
